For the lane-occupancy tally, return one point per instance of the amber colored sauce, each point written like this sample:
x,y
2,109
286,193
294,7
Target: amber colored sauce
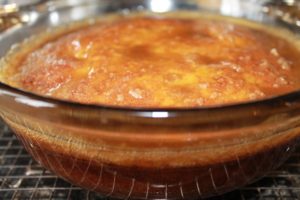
x,y
160,62
190,182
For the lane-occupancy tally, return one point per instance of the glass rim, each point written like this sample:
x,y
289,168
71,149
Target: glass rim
x,y
12,91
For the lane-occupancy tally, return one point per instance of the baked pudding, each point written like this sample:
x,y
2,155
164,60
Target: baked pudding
x,y
160,125
166,61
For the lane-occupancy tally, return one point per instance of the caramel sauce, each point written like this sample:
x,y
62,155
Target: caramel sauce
x,y
166,61
157,182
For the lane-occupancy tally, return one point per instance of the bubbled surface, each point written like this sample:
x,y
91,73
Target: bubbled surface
x,y
161,62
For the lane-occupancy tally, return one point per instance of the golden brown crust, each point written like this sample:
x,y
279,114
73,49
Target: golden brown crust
x,y
161,62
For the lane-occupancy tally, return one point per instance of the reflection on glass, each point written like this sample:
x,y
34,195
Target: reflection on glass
x,y
231,7
160,6
54,18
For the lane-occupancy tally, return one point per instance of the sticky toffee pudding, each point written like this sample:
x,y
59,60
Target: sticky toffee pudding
x,y
171,61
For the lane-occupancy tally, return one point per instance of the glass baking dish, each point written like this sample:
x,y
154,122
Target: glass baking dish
x,y
140,153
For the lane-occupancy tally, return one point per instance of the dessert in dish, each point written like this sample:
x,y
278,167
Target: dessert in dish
x,y
166,61
176,60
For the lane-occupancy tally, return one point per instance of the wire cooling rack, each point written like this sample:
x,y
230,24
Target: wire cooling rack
x,y
21,178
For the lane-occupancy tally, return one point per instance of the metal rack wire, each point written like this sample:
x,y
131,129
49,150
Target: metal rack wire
x,y
21,178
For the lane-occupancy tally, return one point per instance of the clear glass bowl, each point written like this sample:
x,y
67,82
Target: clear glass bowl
x,y
152,153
